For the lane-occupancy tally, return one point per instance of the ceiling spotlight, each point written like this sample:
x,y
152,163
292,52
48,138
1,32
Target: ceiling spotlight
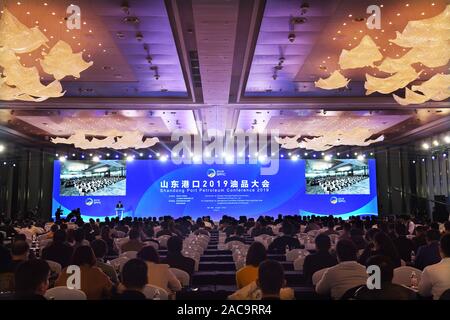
x,y
62,159
141,154
139,36
2,148
125,7
229,159
291,37
133,20
425,146
294,157
447,139
435,143
164,158
360,157
96,159
327,157
130,159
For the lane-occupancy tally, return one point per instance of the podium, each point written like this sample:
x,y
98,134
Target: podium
x,y
119,212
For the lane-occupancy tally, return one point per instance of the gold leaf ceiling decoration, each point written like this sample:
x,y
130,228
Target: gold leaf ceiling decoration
x,y
428,41
74,63
18,37
363,55
335,81
426,32
390,84
23,83
411,97
437,88
112,140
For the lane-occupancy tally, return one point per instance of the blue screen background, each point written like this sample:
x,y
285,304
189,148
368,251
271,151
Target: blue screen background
x,y
285,194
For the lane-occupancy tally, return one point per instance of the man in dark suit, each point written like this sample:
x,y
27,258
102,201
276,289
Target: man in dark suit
x,y
58,251
175,258
429,254
319,260
286,240
420,238
237,236
404,245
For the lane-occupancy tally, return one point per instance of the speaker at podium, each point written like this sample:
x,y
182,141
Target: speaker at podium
x,y
119,210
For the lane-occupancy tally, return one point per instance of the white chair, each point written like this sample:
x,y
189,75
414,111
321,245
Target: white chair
x,y
129,254
119,234
293,254
182,276
298,263
152,292
64,293
163,241
402,275
239,263
153,244
313,233
318,275
334,238
118,242
55,267
234,243
118,263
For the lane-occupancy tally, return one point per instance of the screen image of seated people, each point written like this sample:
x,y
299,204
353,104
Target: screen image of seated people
x,y
89,178
339,176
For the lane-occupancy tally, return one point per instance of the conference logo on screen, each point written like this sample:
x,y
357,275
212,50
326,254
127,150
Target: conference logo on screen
x,y
335,200
211,173
90,202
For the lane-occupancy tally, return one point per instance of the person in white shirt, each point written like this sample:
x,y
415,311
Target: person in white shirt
x,y
435,278
347,274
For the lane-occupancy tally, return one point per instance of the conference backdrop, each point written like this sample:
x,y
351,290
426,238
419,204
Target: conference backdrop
x,y
149,188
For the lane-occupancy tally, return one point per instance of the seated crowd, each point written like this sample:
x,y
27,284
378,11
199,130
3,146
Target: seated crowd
x,y
89,185
335,265
336,183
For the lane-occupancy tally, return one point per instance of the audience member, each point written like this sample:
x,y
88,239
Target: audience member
x,y
58,251
158,274
286,240
134,280
255,255
270,279
134,244
94,282
387,290
100,248
175,258
428,254
31,280
435,278
347,274
320,259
